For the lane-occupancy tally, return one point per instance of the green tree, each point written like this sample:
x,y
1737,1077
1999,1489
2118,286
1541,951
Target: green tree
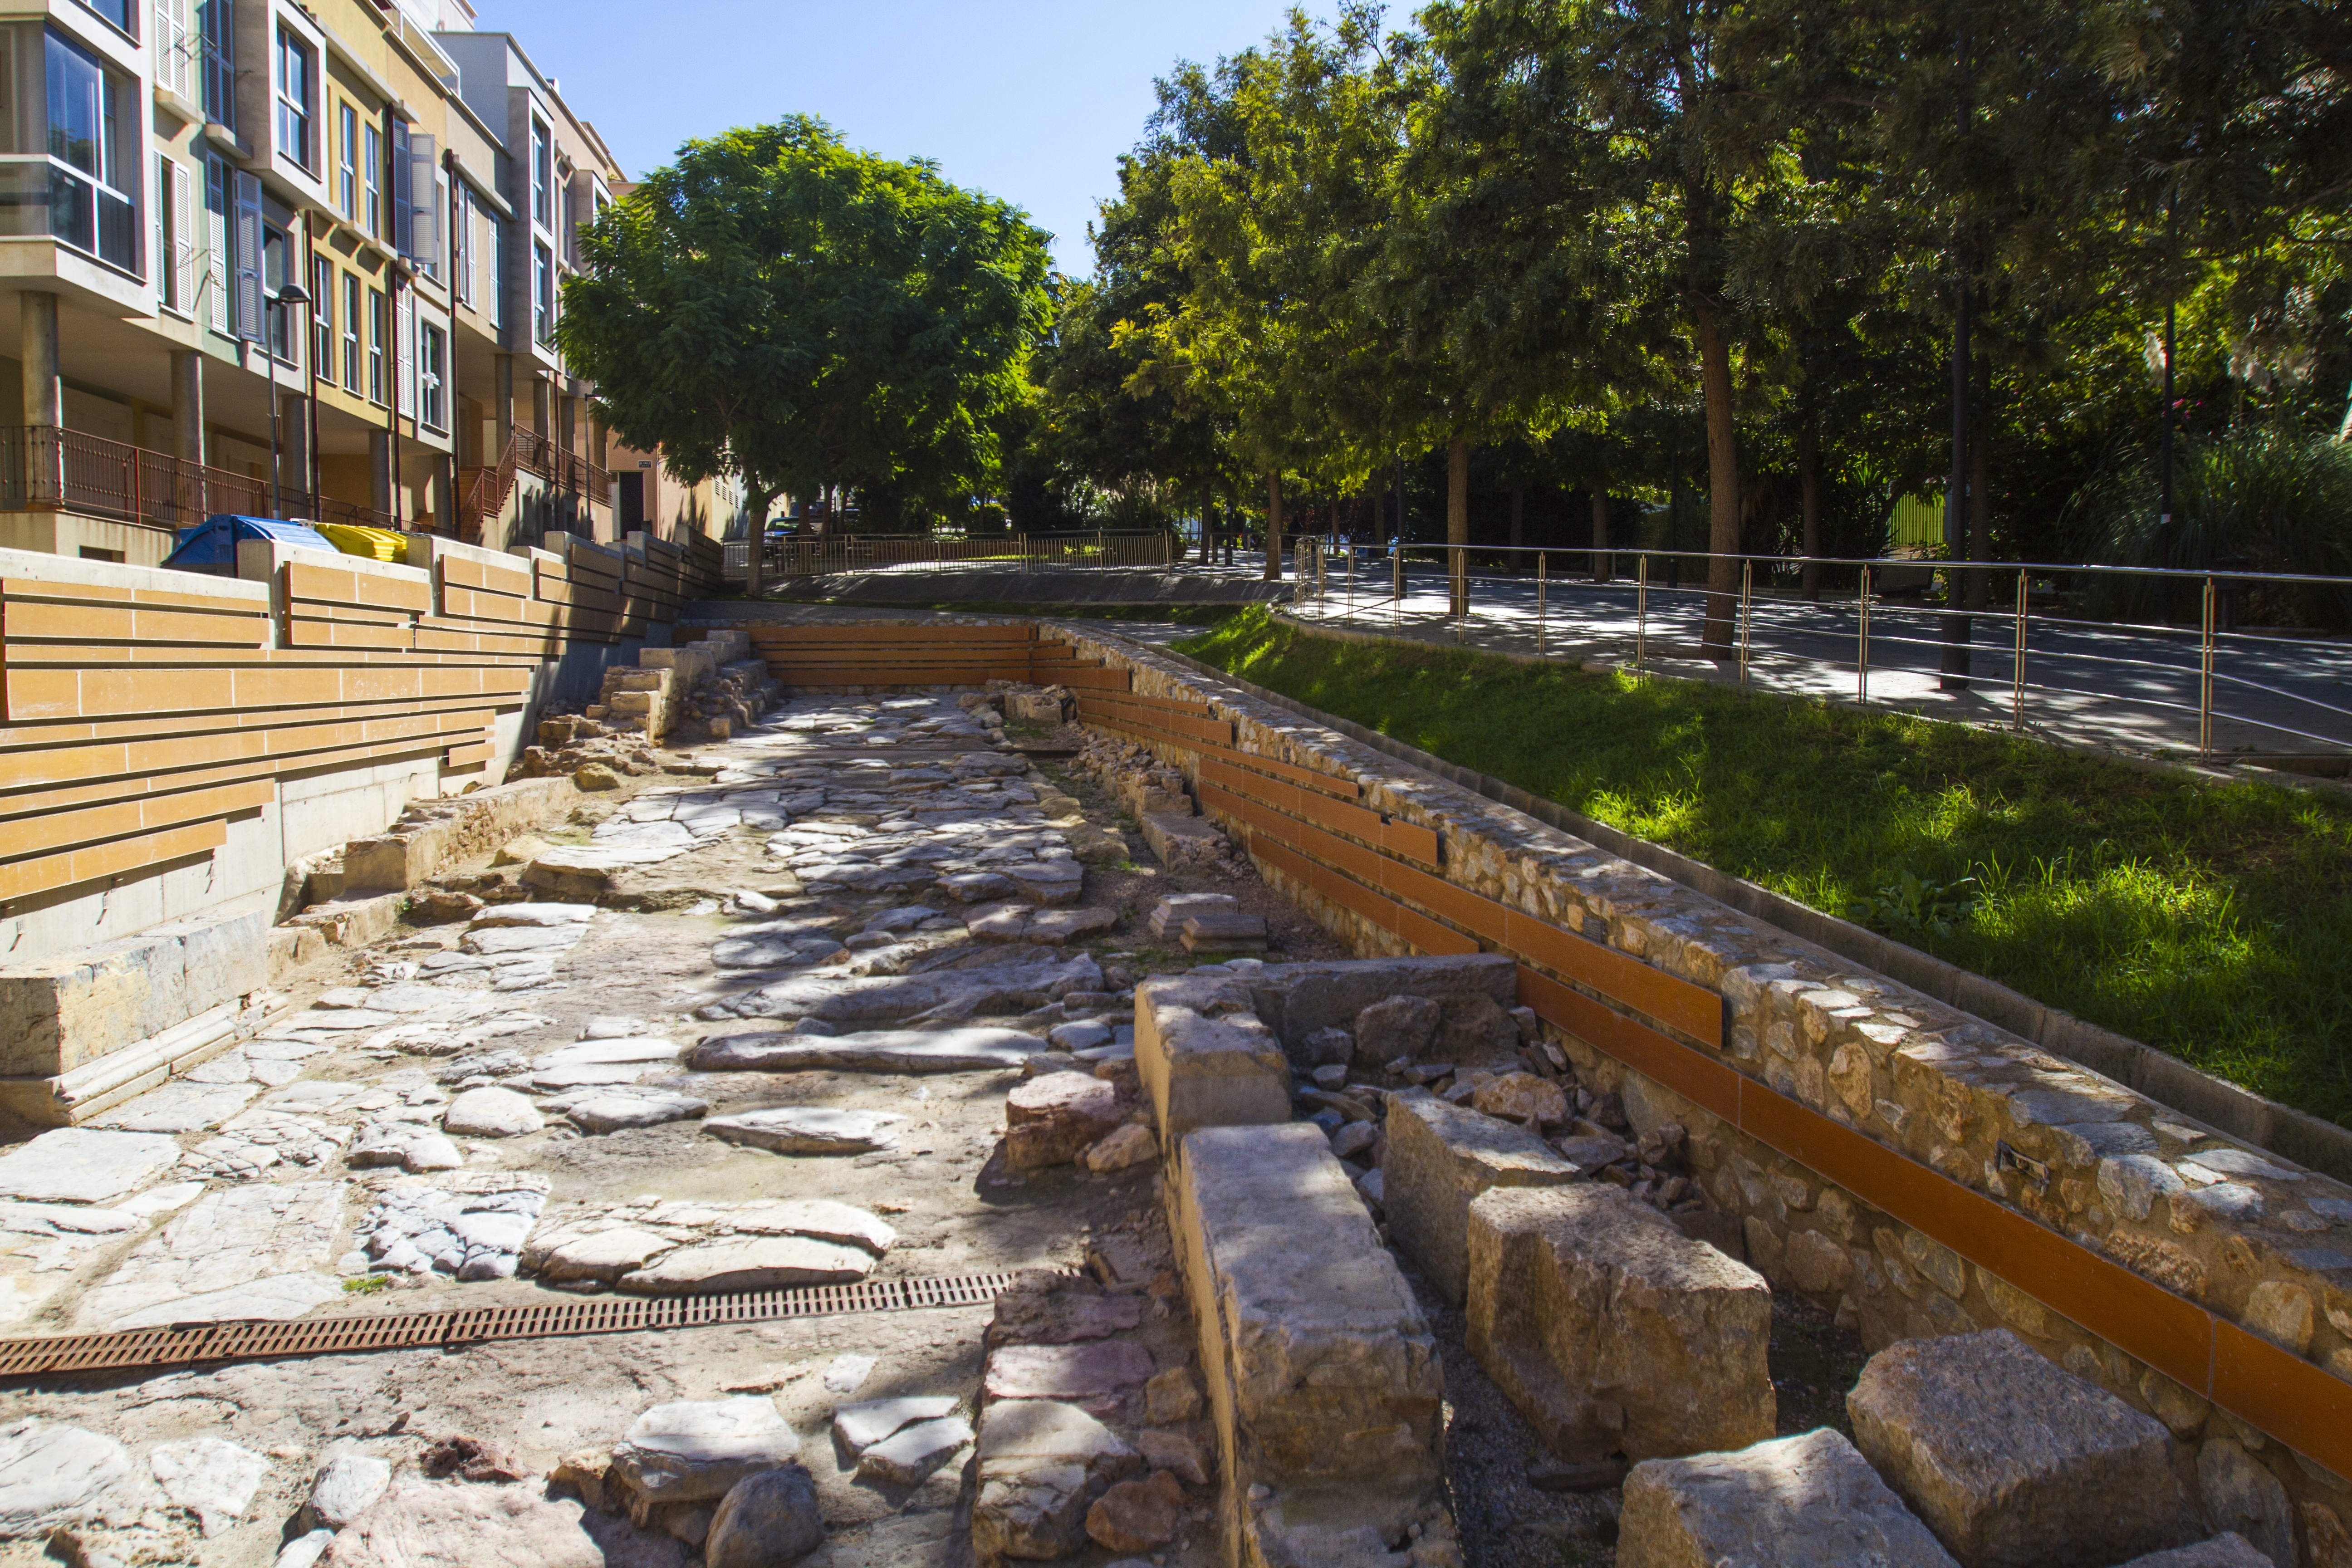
x,y
782,306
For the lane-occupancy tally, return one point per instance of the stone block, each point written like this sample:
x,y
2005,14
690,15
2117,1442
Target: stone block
x,y
2012,1460
1809,1502
61,1011
1204,1058
1439,1158
1041,1464
1323,1376
1612,1330
1178,839
1296,999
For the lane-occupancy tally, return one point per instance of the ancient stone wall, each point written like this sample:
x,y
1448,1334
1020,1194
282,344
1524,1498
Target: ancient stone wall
x,y
1911,1167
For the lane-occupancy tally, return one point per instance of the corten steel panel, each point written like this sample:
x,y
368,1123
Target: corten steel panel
x,y
1349,894
1093,676
2285,1395
1694,1009
1397,837
20,879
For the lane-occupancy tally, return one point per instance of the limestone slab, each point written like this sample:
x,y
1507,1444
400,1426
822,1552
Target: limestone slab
x,y
420,1524
84,1165
1612,1330
492,1114
809,1129
860,1427
691,1449
181,1106
1439,1158
1809,1502
53,1474
618,1108
751,1263
212,1479
2011,1459
1083,1371
908,1457
229,1243
974,1049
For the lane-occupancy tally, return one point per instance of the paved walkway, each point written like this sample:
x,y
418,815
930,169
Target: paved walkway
x,y
2133,690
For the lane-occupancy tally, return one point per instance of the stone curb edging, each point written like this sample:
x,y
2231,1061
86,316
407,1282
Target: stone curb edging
x,y
2305,1138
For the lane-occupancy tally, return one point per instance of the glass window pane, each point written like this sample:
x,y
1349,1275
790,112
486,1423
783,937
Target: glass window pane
x,y
76,86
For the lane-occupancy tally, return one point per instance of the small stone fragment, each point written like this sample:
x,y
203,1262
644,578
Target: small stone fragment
x,y
1138,1516
1050,1120
859,1427
1175,1453
345,1487
1130,1145
1396,1026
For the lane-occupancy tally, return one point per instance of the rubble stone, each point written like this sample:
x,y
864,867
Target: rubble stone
x,y
2011,1459
907,1457
1138,1516
1396,1026
2227,1550
1051,1121
1612,1330
1041,1464
1809,1502
1438,1159
809,1129
422,1523
767,1521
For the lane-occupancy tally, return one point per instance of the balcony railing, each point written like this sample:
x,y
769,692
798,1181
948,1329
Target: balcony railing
x,y
44,468
484,491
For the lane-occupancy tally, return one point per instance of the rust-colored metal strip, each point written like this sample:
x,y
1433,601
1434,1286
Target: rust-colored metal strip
x,y
855,635
1704,1083
1398,837
195,1344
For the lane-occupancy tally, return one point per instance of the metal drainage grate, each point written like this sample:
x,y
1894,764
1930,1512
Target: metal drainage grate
x,y
185,1343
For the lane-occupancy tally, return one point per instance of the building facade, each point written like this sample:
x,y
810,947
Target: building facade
x,y
288,260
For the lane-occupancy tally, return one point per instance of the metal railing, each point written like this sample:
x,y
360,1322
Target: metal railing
x,y
829,554
44,468
568,475
2129,657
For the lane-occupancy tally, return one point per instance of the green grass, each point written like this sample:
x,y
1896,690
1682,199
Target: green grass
x,y
2213,921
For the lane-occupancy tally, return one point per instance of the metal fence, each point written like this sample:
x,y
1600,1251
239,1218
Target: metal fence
x,y
826,557
2144,661
43,467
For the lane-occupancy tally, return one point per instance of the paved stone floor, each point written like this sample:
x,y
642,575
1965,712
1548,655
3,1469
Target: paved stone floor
x,y
503,1111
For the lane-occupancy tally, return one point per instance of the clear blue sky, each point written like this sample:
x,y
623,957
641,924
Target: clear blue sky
x,y
1032,100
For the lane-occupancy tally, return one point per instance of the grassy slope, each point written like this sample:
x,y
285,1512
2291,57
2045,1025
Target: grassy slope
x,y
2212,921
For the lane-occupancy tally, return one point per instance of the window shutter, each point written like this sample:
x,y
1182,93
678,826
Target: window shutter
x,y
216,244
183,237
171,47
246,251
403,168
403,337
424,245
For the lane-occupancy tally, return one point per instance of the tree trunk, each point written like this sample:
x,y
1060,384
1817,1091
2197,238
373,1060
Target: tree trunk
x,y
1208,528
1518,513
1809,484
1458,521
1722,481
1977,589
1273,525
755,531
1601,564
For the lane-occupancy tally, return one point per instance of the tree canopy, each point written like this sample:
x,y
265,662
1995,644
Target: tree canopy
x,y
779,305
1716,249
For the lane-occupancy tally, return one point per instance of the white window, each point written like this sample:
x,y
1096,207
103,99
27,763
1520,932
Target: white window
x,y
404,355
542,177
461,245
347,175
322,318
298,70
378,330
217,245
371,178
96,170
497,258
542,295
432,354
351,350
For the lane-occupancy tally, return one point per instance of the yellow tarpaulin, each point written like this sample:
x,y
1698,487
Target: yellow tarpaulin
x,y
375,543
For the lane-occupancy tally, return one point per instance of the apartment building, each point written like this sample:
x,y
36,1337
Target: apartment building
x,y
299,260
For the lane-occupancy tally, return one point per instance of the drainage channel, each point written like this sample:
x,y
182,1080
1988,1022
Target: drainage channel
x,y
183,1344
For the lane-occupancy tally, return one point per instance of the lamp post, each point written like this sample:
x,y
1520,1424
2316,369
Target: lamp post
x,y
286,294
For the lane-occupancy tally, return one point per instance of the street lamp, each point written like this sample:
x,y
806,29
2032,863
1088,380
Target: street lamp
x,y
286,294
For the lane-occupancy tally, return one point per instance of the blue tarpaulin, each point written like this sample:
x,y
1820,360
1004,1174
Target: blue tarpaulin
x,y
211,545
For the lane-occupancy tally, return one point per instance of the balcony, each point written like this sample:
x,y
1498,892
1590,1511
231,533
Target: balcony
x,y
43,468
